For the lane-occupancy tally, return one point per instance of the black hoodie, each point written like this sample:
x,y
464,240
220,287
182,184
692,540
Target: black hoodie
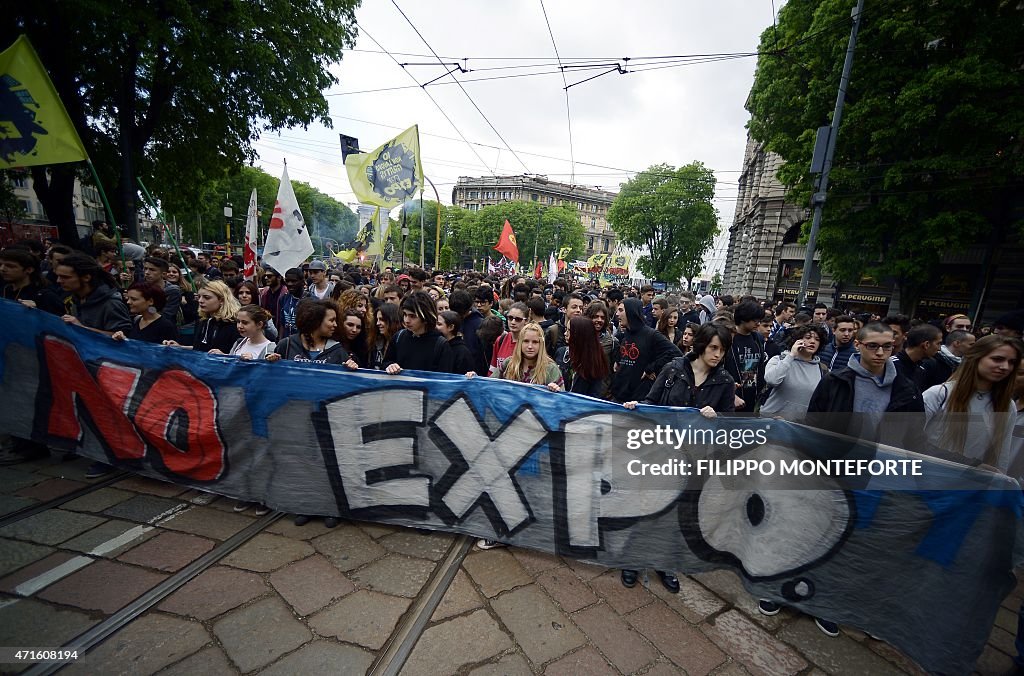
x,y
642,350
429,352
103,309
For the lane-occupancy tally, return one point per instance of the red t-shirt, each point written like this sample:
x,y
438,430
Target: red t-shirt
x,y
503,348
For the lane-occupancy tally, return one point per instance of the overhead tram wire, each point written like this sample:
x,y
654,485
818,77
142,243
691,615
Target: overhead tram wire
x,y
565,90
429,96
450,74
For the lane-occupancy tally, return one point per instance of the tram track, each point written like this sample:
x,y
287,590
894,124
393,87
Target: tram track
x,y
32,510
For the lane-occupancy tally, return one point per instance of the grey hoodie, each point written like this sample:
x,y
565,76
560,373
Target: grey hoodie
x,y
708,302
793,382
871,395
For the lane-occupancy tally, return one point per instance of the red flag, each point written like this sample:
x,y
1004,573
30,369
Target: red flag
x,y
538,271
507,243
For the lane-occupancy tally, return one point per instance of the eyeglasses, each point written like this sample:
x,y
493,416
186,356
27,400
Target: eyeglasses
x,y
875,347
517,319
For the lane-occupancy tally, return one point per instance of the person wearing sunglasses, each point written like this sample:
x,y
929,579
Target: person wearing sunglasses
x,y
505,344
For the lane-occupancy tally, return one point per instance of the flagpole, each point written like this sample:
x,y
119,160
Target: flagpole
x,y
184,265
106,205
422,235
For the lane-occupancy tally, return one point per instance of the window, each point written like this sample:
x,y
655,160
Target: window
x,y
593,223
473,194
490,194
507,195
579,206
534,197
25,205
590,245
604,244
19,182
551,200
593,208
474,207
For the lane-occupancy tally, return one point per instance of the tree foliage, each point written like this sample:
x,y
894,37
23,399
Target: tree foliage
x,y
176,92
929,154
480,232
668,211
328,218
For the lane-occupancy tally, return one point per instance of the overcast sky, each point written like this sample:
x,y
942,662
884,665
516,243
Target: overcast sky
x,y
623,123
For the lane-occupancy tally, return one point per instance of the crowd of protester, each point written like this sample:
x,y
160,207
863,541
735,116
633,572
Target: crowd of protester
x,y
621,343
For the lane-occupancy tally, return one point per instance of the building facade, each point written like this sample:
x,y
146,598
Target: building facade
x,y
32,223
765,259
590,203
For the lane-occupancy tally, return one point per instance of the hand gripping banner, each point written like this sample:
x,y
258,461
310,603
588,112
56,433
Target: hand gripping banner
x,y
917,551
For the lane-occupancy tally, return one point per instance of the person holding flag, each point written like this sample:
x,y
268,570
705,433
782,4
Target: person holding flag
x,y
507,245
251,236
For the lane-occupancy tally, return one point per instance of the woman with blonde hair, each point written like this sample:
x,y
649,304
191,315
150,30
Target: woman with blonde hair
x,y
972,414
216,331
530,362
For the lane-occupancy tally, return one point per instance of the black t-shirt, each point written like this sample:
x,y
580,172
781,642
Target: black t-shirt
x,y
215,334
157,332
747,353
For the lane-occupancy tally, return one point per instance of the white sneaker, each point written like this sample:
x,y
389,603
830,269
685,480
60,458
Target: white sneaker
x,y
203,498
241,506
490,544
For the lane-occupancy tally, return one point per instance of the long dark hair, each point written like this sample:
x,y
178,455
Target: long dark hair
x,y
83,265
585,352
392,319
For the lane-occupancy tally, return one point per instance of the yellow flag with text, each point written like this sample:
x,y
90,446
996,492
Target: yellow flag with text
x,y
389,175
34,126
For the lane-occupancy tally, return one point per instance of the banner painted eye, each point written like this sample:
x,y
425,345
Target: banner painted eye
x,y
766,530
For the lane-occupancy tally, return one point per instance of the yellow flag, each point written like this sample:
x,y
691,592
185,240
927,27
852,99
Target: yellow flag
x,y
34,126
563,252
389,175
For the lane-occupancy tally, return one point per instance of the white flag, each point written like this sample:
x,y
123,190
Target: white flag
x,y
249,256
288,243
552,268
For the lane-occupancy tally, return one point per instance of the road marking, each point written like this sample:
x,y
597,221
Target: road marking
x,y
30,587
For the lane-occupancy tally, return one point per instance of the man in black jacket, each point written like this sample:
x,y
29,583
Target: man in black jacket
x,y
643,352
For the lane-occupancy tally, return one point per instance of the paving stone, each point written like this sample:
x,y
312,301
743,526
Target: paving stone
x,y
585,571
12,503
267,552
210,660
215,591
408,541
727,585
676,639
460,597
28,622
147,486
91,587
586,661
34,569
694,601
347,547
50,489
894,656
840,655
145,646
311,584
760,652
541,630
143,508
257,635
623,600
621,645
97,501
535,562
1007,620
994,662
12,480
568,591
74,469
51,527
377,530
365,617
510,664
209,523
322,657
495,571
101,536
395,575
169,552
288,528
666,668
15,555
446,646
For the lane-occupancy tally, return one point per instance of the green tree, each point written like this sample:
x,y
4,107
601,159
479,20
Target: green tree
x,y
929,156
557,224
447,257
668,211
10,206
176,92
716,283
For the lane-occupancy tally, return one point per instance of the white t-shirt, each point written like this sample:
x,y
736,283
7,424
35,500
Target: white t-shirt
x,y
981,420
254,350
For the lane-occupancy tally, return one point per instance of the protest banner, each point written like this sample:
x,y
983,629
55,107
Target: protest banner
x,y
920,556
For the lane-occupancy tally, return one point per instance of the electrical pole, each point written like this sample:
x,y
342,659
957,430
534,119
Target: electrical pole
x,y
818,200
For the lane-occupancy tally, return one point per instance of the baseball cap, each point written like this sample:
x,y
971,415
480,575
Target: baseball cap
x,y
317,265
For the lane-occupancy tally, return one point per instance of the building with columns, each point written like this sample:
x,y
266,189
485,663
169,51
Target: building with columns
x,y
765,259
590,203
